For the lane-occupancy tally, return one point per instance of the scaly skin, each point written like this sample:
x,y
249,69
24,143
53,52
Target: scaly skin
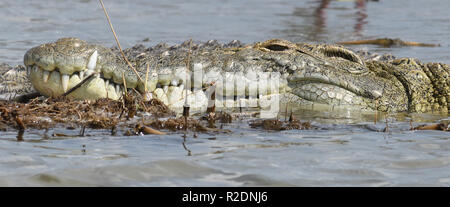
x,y
326,74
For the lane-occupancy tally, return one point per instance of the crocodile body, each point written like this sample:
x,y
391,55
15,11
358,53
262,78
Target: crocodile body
x,y
242,75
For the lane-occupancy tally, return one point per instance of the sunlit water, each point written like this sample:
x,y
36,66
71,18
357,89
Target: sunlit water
x,y
346,150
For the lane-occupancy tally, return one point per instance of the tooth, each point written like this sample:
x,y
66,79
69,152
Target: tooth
x,y
159,93
65,81
164,79
92,61
81,75
118,90
89,72
28,70
106,83
165,89
45,75
174,82
111,91
35,68
121,90
149,96
174,94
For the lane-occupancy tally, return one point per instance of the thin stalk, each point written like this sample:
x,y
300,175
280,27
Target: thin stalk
x,y
146,80
79,84
118,43
124,84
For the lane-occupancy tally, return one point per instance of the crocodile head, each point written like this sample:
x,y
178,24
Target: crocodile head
x,y
333,75
322,74
54,68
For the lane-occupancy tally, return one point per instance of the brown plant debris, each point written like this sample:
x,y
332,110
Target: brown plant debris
x,y
39,113
54,112
222,117
440,127
277,125
176,124
388,42
140,128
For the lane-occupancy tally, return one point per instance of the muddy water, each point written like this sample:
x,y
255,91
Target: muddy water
x,y
347,150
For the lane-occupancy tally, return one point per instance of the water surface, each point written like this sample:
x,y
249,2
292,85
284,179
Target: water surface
x,y
347,150
25,24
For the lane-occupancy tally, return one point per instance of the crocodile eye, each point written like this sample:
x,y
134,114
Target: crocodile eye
x,y
335,51
276,47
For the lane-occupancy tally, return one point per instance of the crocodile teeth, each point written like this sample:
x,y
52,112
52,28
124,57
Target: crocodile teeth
x,y
65,81
92,61
81,75
28,70
118,90
174,82
45,76
106,83
148,96
89,72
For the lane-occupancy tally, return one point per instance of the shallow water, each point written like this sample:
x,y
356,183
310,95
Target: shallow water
x,y
347,150
335,155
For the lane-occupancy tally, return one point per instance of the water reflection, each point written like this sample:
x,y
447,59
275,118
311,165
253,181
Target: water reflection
x,y
361,16
20,135
320,14
315,21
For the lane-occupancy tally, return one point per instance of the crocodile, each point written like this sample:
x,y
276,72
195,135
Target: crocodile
x,y
238,74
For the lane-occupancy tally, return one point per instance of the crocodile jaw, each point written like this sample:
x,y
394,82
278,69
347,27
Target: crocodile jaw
x,y
52,87
55,83
364,90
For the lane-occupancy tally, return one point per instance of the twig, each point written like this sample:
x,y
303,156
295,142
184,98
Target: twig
x,y
118,43
186,107
20,135
19,121
124,84
387,42
146,80
78,85
148,130
441,127
184,146
83,129
387,126
285,112
291,117
212,99
376,112
124,94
